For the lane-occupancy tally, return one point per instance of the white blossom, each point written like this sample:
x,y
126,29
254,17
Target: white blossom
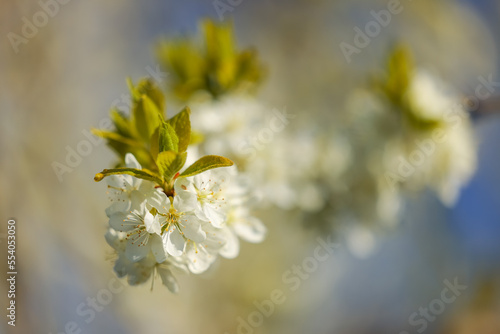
x,y
203,194
153,233
142,230
120,188
179,227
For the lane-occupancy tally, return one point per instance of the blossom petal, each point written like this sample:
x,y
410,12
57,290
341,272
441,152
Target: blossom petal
x,y
168,280
121,266
157,199
231,248
136,250
191,227
251,230
215,217
118,181
131,161
118,206
173,242
112,238
199,260
184,184
201,181
186,199
139,272
117,222
152,224
157,249
137,201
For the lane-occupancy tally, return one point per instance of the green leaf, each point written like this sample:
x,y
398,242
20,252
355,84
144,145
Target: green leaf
x,y
219,41
141,174
170,162
168,140
155,143
250,70
145,117
205,163
182,127
216,67
149,88
122,145
147,107
400,70
113,136
133,91
122,124
185,64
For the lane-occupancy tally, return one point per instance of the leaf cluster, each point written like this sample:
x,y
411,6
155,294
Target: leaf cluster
x,y
159,144
216,67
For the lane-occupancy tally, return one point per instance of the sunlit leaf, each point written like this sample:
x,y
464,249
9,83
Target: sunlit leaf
x,y
170,162
205,163
182,127
139,173
168,140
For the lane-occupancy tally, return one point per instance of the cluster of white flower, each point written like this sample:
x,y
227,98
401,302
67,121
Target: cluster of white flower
x,y
288,169
230,126
392,160
450,154
441,158
351,173
204,218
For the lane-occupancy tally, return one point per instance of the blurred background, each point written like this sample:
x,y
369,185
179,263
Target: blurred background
x,y
62,81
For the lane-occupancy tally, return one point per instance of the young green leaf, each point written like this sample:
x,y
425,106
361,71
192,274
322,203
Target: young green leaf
x,y
219,41
168,140
187,66
217,67
182,126
170,162
133,91
154,148
113,136
148,105
145,117
400,70
149,88
122,124
205,163
141,174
